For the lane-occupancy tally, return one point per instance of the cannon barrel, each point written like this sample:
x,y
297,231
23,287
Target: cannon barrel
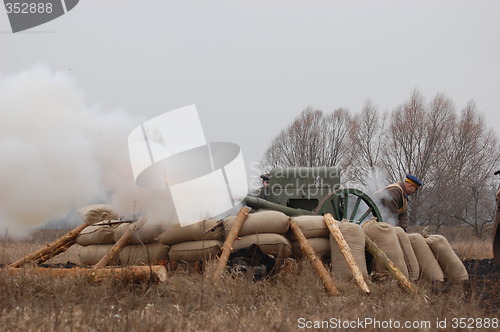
x,y
259,203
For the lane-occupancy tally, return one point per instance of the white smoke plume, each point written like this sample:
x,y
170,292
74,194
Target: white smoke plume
x,y
57,154
376,180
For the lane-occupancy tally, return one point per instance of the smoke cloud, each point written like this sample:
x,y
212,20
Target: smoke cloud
x,y
57,154
375,181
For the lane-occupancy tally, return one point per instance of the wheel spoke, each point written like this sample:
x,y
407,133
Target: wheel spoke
x,y
346,204
355,209
335,207
337,203
366,214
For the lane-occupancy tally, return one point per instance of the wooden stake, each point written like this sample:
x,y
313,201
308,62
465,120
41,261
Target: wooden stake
x,y
50,250
115,250
316,263
55,252
227,247
382,258
346,251
130,273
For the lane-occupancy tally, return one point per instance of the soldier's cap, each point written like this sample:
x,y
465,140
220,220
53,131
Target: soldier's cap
x,y
413,180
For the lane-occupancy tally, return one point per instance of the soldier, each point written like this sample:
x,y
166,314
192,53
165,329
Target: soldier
x,y
496,229
394,199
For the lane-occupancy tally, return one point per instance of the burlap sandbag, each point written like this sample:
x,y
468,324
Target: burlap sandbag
x,y
194,232
90,255
146,234
320,245
427,263
143,254
355,238
452,266
311,226
273,244
193,251
93,213
408,253
384,236
104,234
260,222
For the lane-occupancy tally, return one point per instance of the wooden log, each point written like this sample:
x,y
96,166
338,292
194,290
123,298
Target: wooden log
x,y
227,247
382,258
316,263
50,250
331,223
132,274
122,241
44,257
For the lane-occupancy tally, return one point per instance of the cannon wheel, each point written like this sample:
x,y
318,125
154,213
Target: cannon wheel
x,y
346,204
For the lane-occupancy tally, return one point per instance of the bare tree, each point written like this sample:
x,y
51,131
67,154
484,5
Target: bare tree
x,y
455,155
296,145
368,136
337,147
416,142
470,164
312,139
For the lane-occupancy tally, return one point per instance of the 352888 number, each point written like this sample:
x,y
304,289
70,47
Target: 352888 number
x,y
474,323
28,8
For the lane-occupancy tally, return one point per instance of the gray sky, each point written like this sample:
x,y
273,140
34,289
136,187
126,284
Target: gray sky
x,y
252,66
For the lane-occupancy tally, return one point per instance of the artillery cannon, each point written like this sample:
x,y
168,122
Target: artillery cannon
x,y
312,191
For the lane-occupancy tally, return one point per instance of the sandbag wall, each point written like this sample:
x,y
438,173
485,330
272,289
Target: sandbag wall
x,y
430,258
189,244
326,248
96,240
418,258
265,229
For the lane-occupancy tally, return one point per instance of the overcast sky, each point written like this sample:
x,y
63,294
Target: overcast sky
x,y
252,66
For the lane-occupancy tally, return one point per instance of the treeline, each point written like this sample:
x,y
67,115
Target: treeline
x,y
453,151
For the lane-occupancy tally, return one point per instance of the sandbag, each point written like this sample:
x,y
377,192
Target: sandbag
x,y
311,226
146,234
260,222
104,234
194,232
92,254
453,268
320,245
273,244
384,236
143,254
192,251
94,213
355,238
408,253
427,263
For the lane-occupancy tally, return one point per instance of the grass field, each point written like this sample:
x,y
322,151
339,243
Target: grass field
x,y
188,301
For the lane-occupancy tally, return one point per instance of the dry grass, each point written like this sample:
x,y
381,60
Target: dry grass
x,y
189,302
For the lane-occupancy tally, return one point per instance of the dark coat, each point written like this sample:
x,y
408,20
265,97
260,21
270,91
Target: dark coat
x,y
395,201
496,232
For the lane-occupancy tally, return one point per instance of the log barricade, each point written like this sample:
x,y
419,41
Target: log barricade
x,y
344,249
133,274
124,239
315,261
382,258
227,247
58,246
